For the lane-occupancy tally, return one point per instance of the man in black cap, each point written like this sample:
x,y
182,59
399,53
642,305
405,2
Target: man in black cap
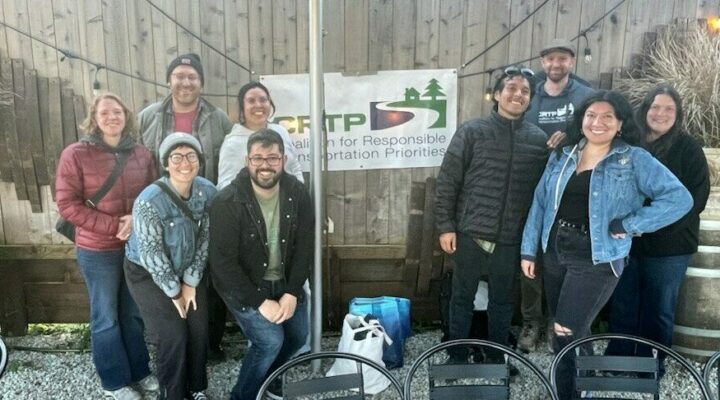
x,y
186,111
552,110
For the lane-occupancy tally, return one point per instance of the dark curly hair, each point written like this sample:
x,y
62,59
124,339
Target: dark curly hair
x,y
660,147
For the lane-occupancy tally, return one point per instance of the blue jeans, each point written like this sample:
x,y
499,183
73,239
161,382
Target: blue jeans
x,y
644,302
271,344
116,329
471,262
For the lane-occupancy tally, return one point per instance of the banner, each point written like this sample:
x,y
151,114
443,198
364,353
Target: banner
x,y
391,119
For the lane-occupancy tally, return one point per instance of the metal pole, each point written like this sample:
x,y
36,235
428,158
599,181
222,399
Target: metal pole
x,y
316,141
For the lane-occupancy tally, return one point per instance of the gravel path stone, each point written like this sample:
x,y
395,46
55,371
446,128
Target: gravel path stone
x,y
60,376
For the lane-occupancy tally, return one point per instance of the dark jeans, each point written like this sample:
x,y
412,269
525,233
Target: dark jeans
x,y
644,302
116,329
576,291
217,313
531,291
271,344
502,268
181,353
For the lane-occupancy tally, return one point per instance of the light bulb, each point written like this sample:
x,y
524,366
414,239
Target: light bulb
x,y
588,55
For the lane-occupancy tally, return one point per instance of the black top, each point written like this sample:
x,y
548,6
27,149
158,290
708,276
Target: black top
x,y
574,204
686,160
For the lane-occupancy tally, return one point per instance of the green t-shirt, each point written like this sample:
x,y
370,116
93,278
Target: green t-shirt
x,y
270,208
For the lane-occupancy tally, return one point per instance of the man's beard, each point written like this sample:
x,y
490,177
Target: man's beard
x,y
268,184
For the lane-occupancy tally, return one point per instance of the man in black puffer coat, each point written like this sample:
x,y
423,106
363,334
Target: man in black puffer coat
x,y
484,190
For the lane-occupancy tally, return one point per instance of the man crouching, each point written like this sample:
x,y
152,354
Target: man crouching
x,y
261,250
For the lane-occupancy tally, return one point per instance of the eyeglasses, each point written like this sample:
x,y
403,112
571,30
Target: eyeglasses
x,y
191,78
257,100
257,161
177,158
514,70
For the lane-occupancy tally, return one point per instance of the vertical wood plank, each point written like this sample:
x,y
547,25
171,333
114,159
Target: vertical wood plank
x,y
55,123
425,270
356,60
23,184
92,41
3,35
613,33
237,48
187,14
6,114
568,21
19,46
706,8
472,89
413,247
636,25
34,129
591,11
685,8
261,36
284,35
334,61
544,27
520,41
141,51
67,36
379,201
42,27
164,37
212,22
117,48
303,37
498,23
69,128
426,34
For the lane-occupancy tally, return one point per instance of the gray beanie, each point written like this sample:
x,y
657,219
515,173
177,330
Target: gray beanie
x,y
190,59
173,140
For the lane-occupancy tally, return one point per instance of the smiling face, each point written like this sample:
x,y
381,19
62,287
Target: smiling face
x,y
600,124
183,165
661,115
256,109
110,119
557,65
514,98
185,86
265,165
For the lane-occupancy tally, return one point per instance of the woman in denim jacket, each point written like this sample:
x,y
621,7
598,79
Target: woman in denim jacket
x,y
587,207
165,264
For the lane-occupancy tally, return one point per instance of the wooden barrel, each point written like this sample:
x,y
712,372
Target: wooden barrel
x,y
697,317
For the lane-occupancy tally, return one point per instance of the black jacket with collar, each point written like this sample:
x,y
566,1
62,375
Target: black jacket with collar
x,y
238,242
488,176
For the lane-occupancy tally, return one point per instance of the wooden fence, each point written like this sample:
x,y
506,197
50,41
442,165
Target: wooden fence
x,y
270,37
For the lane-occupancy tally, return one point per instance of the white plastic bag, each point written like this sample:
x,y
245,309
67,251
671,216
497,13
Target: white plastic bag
x,y
362,338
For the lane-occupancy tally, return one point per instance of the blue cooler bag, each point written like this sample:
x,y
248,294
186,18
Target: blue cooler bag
x,y
394,315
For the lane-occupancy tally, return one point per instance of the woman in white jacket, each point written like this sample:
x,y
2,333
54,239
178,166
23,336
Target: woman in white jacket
x,y
256,107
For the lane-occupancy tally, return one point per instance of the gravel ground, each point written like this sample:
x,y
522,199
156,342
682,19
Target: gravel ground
x,y
38,375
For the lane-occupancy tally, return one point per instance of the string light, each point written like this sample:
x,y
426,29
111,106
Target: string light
x,y
488,93
713,24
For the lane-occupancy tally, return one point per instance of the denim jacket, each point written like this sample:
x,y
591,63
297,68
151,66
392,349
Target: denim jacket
x,y
171,247
619,185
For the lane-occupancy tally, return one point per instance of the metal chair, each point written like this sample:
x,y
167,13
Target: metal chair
x,y
3,357
600,373
713,364
349,383
489,381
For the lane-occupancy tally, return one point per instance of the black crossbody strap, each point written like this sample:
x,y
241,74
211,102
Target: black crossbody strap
x,y
110,181
178,201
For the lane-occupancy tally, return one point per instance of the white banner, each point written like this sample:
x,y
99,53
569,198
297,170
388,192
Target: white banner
x,y
392,119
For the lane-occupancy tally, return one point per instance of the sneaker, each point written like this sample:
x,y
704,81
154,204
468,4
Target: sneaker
x,y
528,338
149,383
197,396
124,393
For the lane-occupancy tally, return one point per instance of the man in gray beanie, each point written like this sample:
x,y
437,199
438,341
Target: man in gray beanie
x,y
186,111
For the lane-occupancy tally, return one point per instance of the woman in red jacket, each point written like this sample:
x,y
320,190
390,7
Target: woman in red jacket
x,y
118,346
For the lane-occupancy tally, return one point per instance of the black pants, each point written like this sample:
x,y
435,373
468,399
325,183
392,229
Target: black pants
x,y
216,317
181,354
576,291
502,267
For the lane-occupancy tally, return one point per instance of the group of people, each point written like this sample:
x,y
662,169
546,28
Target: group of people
x,y
196,214
564,187
561,187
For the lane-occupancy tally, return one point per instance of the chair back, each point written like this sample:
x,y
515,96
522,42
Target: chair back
x,y
711,375
451,381
601,373
351,384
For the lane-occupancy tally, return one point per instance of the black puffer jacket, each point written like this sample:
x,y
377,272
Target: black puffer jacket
x,y
488,176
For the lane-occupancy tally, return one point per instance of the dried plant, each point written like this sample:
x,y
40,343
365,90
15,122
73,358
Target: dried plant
x,y
687,60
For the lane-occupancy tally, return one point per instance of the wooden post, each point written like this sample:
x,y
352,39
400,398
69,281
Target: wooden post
x,y
427,244
13,312
413,245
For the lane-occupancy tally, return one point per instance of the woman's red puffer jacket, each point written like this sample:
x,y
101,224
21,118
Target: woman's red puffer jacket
x,y
83,168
